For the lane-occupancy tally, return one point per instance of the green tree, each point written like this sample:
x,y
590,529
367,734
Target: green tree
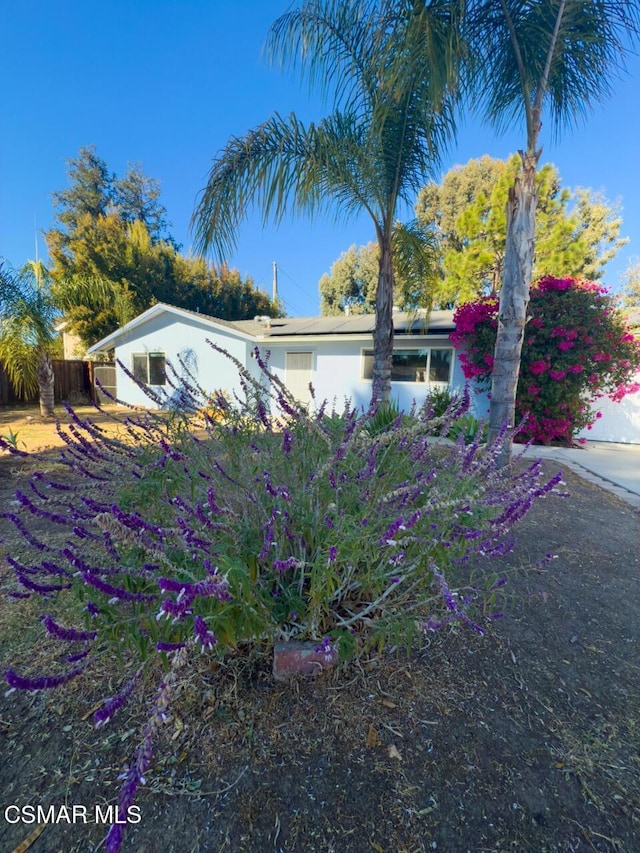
x,y
27,335
600,224
111,261
631,283
350,286
136,197
576,234
391,120
95,192
557,55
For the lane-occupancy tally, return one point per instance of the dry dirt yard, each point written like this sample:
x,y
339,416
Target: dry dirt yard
x,y
32,433
526,739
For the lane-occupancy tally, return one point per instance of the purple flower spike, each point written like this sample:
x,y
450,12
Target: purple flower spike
x,y
169,647
204,636
46,682
104,714
325,647
71,635
283,565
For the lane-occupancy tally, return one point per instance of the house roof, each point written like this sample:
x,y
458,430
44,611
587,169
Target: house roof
x,y
357,324
260,329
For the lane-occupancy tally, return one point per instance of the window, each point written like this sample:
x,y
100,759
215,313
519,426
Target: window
x,y
149,368
431,364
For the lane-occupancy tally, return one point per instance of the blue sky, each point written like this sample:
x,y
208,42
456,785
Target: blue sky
x,y
166,84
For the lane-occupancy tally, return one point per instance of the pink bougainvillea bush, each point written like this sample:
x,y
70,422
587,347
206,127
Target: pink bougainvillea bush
x,y
577,348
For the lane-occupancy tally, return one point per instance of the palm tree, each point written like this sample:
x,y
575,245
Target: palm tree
x,y
391,121
27,316
553,54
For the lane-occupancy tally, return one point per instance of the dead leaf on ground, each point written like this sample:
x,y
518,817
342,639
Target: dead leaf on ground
x,y
37,832
372,737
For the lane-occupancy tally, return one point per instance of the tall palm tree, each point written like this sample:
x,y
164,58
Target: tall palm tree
x,y
553,55
390,124
27,316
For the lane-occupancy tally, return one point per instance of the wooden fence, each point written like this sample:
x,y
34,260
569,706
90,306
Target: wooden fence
x,y
70,378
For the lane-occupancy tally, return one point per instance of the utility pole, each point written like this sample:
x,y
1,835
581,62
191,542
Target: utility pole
x,y
275,281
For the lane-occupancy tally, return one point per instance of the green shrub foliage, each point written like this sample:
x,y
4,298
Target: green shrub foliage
x,y
207,533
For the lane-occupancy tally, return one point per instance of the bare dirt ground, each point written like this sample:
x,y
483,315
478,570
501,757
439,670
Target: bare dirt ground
x,y
23,426
526,739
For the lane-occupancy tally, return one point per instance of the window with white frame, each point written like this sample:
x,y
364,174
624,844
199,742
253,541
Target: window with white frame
x,y
426,364
149,368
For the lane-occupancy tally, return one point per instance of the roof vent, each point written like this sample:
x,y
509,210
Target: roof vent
x,y
264,321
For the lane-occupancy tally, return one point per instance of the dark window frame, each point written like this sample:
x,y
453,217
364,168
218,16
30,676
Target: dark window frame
x,y
144,367
408,371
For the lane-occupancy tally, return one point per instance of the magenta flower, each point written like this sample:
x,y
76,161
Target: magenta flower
x,y
537,367
557,374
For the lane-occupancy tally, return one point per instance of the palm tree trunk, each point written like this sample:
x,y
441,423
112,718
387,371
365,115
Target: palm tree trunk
x,y
383,335
45,385
514,300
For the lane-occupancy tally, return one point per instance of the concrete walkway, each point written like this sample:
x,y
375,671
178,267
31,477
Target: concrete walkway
x,y
615,467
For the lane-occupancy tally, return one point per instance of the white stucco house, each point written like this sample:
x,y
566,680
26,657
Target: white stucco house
x,y
335,354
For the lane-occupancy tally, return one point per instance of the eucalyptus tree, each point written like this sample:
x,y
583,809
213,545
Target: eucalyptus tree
x,y
27,334
391,120
556,57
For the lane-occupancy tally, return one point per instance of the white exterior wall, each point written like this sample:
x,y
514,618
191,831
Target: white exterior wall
x,y
183,337
620,422
338,364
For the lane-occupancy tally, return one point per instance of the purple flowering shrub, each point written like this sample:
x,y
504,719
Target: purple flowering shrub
x,y
577,349
267,523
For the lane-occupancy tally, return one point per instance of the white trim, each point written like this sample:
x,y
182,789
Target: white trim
x,y
163,308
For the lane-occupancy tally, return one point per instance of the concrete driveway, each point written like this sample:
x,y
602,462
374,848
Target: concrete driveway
x,y
615,467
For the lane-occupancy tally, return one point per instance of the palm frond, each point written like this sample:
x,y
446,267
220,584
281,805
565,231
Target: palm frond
x,y
331,43
19,354
284,167
95,292
416,263
271,167
27,316
515,40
